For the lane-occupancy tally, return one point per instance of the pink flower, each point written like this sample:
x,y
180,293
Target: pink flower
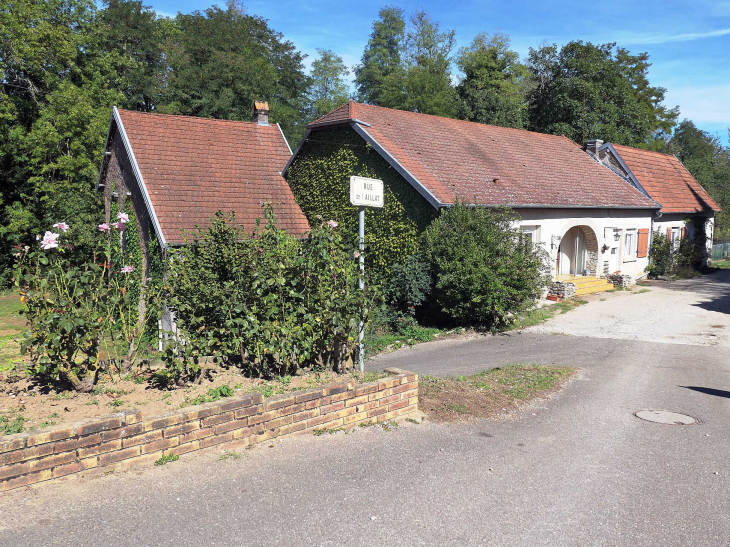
x,y
49,241
356,254
127,269
119,226
61,226
332,224
37,237
103,227
123,217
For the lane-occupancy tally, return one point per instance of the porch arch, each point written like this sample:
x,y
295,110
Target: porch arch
x,y
581,239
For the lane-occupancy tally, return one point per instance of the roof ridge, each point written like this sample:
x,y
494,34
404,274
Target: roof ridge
x,y
194,118
645,150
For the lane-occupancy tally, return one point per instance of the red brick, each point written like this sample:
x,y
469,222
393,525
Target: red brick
x,y
25,480
187,447
132,417
278,422
377,411
96,426
215,420
181,429
293,428
228,426
305,415
216,439
111,457
260,418
26,454
13,442
196,435
149,437
75,467
280,401
51,461
10,471
396,406
388,400
337,388
249,411
162,444
122,432
356,400
308,396
319,420
200,412
332,408
366,389
241,402
162,422
50,435
100,448
73,444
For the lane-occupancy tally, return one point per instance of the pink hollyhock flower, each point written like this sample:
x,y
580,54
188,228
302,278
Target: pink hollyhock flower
x,y
49,241
119,226
123,217
61,226
103,227
127,269
332,224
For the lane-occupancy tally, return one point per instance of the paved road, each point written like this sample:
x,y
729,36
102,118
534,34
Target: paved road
x,y
577,470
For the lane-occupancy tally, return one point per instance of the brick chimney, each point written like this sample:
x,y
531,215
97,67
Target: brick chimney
x,y
592,146
261,113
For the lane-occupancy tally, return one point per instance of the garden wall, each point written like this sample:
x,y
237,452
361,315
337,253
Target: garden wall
x,y
128,439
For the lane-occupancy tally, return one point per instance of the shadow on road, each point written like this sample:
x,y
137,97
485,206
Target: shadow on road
x,y
714,289
709,391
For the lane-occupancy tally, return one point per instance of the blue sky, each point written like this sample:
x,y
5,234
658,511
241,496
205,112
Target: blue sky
x,y
688,42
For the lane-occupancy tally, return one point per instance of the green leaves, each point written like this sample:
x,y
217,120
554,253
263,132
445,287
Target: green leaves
x,y
267,300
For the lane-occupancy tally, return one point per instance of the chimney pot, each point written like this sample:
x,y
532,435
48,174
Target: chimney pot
x,y
593,145
261,112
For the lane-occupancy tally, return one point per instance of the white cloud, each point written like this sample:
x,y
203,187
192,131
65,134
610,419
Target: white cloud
x,y
659,38
703,105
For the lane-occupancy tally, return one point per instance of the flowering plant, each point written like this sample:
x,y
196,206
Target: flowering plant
x,y
72,309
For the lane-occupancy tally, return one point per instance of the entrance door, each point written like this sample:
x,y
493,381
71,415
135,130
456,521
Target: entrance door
x,y
572,252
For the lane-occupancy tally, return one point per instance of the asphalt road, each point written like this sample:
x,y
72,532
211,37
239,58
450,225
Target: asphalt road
x,y
576,470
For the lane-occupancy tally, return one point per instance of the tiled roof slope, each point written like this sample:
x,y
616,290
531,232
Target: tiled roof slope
x,y
194,167
456,159
667,181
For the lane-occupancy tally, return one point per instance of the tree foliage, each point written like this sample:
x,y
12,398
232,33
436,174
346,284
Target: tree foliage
x,y
329,88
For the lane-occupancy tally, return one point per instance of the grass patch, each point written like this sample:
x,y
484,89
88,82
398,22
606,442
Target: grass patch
x,y
378,341
12,424
214,394
539,315
490,393
721,264
229,455
166,458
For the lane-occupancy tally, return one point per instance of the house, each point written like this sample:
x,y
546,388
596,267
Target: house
x,y
175,172
686,206
592,221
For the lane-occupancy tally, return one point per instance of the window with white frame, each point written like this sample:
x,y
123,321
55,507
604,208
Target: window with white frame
x,y
676,237
630,243
530,232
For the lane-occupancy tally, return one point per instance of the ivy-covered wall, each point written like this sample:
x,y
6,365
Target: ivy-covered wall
x,y
320,180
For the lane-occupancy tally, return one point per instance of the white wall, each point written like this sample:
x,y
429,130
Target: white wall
x,y
677,221
552,224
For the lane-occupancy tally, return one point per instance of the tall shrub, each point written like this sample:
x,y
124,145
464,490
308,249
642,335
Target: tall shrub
x,y
484,269
268,300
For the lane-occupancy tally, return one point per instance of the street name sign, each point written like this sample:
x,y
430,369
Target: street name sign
x,y
365,192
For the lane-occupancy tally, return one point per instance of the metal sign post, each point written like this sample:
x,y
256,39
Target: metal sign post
x,y
364,192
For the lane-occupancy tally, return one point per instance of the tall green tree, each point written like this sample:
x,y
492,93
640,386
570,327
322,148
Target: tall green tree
x,y
329,87
709,162
587,91
222,60
380,76
428,62
495,83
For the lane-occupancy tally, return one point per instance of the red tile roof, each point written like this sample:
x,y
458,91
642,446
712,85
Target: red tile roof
x,y
491,165
667,181
194,167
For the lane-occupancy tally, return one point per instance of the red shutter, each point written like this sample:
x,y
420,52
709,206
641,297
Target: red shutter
x,y
669,234
643,243
684,232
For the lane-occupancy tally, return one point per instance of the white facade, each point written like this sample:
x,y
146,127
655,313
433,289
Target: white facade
x,y
671,225
595,242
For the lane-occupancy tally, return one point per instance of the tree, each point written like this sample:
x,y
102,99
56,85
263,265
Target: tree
x,y
381,73
709,162
428,77
329,88
222,60
586,91
493,88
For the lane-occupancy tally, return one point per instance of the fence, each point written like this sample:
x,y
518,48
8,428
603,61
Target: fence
x,y
720,250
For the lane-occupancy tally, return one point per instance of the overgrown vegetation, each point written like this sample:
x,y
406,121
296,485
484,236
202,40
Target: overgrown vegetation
x,y
268,302
683,260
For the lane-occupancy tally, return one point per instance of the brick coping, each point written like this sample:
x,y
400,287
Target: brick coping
x,y
128,439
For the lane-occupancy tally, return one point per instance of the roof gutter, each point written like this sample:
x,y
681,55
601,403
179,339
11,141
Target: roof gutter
x,y
552,206
138,176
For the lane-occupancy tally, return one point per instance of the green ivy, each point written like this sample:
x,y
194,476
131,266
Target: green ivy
x,y
320,180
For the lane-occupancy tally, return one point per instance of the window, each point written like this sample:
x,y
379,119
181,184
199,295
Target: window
x,y
530,233
676,237
630,243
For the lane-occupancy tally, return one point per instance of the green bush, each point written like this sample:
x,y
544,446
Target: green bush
x,y
267,300
660,255
686,260
484,269
408,287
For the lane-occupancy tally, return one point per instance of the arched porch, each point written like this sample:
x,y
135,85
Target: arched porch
x,y
577,253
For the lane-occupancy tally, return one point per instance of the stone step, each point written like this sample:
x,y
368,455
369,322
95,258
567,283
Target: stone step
x,y
590,289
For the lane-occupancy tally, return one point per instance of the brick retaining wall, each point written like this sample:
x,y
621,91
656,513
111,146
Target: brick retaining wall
x,y
128,439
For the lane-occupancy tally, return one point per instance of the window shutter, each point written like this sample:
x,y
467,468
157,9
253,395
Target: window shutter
x,y
642,248
669,234
684,232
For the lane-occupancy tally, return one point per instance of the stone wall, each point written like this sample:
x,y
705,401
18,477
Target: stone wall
x,y
561,289
620,280
128,439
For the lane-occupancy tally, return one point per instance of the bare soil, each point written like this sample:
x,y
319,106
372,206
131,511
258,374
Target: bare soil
x,y
493,394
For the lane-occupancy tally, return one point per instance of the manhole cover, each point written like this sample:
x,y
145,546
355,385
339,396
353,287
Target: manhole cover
x,y
665,417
